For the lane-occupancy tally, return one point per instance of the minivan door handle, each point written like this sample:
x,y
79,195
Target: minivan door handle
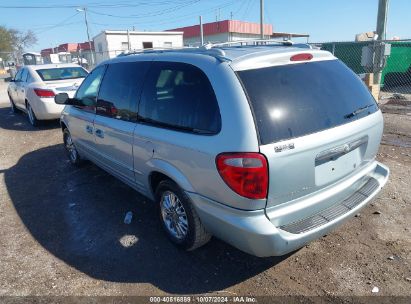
x,y
100,133
89,129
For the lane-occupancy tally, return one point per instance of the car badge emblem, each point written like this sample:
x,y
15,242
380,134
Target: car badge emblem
x,y
284,147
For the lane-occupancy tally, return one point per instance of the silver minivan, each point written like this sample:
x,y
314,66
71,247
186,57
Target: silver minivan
x,y
266,147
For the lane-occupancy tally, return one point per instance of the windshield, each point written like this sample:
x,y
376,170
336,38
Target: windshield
x,y
62,73
299,99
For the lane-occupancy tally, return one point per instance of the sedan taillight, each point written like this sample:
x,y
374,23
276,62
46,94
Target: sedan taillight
x,y
245,173
44,93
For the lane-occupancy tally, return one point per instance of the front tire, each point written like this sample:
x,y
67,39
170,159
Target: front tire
x,y
71,150
13,106
179,218
32,117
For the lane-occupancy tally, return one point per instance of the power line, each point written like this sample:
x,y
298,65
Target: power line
x,y
176,5
240,8
62,23
94,5
176,18
146,15
249,4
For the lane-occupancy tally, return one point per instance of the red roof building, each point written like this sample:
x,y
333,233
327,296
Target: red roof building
x,y
68,47
85,46
225,30
46,52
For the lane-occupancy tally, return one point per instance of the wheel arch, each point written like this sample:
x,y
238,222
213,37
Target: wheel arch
x,y
63,125
165,171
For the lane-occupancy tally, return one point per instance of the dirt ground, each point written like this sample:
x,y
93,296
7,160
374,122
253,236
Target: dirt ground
x,y
62,232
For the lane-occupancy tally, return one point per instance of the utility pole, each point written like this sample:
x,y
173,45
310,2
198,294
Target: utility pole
x,y
84,9
201,31
128,40
262,19
382,19
381,32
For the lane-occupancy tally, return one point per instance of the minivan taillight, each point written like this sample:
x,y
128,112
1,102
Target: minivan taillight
x,y
44,93
245,173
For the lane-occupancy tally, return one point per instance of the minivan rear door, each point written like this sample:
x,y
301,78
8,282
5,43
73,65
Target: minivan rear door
x,y
317,123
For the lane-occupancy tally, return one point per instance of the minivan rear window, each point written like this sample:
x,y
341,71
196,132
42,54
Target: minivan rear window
x,y
299,99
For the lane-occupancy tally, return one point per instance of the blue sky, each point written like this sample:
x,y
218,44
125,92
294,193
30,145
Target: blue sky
x,y
324,20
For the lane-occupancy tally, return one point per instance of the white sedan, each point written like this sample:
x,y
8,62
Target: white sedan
x,y
33,89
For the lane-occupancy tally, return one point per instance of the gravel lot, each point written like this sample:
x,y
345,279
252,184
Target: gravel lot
x,y
62,232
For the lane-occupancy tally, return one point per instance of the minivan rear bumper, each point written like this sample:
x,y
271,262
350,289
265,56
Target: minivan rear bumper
x,y
254,233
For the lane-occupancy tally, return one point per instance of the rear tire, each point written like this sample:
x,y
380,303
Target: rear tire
x,y
179,219
71,150
32,117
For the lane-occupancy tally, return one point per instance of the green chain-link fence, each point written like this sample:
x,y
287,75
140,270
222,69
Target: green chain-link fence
x,y
395,79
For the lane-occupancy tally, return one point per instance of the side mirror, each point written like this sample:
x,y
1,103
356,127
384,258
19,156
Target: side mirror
x,y
61,98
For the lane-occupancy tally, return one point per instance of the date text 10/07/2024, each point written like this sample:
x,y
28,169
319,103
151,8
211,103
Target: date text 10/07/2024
x,y
203,299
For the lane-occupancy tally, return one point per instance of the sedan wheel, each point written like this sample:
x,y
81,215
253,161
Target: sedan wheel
x,y
32,117
13,106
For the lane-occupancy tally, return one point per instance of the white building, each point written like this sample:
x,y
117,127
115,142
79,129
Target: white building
x,y
109,44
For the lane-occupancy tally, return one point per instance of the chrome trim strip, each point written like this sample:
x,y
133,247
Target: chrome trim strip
x,y
341,150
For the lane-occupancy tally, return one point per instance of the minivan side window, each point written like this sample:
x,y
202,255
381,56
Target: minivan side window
x,y
88,90
179,96
121,89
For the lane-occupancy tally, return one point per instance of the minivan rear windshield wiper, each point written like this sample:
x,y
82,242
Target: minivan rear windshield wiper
x,y
358,111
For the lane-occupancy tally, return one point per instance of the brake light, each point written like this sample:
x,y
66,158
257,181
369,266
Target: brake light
x,y
301,57
245,173
44,93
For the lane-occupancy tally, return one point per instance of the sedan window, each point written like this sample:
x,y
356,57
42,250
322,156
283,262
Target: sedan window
x,y
17,78
24,74
62,73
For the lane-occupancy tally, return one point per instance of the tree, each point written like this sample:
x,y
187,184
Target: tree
x,y
15,41
6,41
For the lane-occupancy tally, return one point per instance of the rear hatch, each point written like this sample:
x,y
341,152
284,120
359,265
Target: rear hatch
x,y
317,124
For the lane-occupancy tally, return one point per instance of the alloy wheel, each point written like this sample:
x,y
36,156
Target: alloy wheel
x,y
174,215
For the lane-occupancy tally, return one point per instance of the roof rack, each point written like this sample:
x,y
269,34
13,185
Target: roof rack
x,y
215,50
217,53
257,42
